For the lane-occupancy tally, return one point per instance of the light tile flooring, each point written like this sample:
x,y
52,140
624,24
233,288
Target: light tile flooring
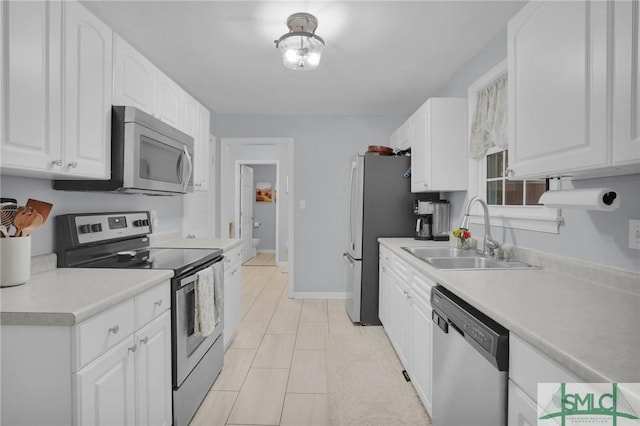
x,y
276,369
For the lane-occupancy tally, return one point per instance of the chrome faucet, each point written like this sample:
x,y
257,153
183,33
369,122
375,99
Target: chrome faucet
x,y
489,244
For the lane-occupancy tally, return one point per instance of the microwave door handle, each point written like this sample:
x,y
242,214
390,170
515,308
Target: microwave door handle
x,y
187,178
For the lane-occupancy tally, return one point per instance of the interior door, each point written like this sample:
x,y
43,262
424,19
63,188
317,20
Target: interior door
x,y
246,210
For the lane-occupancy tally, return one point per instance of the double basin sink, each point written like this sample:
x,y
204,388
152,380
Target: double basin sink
x,y
455,258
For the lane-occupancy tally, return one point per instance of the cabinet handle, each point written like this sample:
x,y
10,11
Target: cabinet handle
x,y
133,348
114,329
73,164
57,163
145,340
158,303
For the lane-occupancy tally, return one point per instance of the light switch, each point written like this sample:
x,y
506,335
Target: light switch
x,y
303,204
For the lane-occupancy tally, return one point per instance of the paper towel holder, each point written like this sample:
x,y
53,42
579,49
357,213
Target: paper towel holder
x,y
605,199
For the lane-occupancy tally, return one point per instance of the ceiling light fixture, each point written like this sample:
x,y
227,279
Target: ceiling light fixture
x,y
301,48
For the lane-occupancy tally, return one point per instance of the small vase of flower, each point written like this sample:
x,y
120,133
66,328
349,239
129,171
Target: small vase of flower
x,y
462,237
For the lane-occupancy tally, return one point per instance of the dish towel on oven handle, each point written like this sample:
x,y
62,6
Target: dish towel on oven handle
x,y
206,315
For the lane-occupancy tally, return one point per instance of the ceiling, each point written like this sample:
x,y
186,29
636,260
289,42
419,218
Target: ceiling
x,y
381,57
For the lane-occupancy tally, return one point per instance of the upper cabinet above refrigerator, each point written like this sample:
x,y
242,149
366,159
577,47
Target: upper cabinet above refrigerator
x,y
438,136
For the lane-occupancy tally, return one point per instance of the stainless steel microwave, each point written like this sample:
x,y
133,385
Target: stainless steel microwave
x,y
147,157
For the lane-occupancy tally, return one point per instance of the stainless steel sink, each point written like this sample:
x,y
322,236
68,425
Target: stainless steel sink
x,y
458,259
429,252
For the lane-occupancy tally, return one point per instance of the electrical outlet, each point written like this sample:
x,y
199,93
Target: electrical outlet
x,y
634,234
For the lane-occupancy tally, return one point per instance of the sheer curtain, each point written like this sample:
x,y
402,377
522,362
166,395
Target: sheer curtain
x,y
489,125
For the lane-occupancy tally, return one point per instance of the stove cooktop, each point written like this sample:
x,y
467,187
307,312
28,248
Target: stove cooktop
x,y
178,260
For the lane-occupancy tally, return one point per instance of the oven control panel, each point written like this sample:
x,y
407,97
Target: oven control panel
x,y
88,228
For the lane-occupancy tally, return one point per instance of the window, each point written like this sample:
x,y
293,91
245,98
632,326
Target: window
x,y
512,203
501,191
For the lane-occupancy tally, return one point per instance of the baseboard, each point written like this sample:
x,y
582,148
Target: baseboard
x,y
283,264
265,251
319,295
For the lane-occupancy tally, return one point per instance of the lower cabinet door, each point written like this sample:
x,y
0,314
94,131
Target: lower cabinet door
x,y
104,390
421,345
522,409
232,303
153,372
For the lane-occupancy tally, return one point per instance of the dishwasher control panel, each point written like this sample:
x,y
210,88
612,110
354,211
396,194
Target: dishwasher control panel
x,y
452,314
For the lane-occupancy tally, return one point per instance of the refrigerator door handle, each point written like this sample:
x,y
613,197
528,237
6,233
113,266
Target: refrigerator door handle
x,y
354,166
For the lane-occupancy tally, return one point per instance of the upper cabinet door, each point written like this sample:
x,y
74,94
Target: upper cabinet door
x,y
202,150
31,131
189,115
88,61
168,100
557,59
133,77
626,82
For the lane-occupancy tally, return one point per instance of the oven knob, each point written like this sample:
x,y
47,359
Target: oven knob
x,y
96,227
84,229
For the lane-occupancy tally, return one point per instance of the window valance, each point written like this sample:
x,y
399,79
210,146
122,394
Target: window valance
x,y
489,125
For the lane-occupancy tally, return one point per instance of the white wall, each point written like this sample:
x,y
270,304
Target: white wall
x,y
265,213
322,149
169,209
592,236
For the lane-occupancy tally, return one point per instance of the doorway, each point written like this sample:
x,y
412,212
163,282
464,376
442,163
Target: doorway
x,y
273,152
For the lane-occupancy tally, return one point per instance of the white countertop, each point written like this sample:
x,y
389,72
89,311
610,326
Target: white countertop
x,y
64,297
590,328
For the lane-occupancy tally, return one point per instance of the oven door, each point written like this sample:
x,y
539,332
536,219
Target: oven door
x,y
155,162
188,346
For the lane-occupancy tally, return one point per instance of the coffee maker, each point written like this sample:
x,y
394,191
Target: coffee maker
x,y
432,222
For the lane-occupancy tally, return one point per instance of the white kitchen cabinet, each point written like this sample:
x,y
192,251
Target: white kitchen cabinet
x,y
232,293
189,115
168,100
58,123
133,77
202,149
105,389
399,139
559,62
405,313
527,368
112,368
439,145
421,338
626,83
153,372
400,319
88,67
384,284
32,99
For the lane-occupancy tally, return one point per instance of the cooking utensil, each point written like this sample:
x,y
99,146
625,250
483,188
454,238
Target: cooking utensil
x,y
381,150
7,213
36,222
24,217
41,207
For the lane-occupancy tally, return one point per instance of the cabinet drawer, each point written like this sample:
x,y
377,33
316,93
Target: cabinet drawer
x,y
528,367
93,337
402,269
232,257
152,303
422,286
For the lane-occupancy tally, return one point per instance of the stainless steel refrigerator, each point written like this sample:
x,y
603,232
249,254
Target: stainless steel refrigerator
x,y
380,205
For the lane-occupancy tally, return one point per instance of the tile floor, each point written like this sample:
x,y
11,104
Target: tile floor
x,y
275,371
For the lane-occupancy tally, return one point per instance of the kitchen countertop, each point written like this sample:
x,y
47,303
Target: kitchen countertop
x,y
65,296
590,328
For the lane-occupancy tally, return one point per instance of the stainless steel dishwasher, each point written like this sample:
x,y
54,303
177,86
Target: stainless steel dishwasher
x,y
470,364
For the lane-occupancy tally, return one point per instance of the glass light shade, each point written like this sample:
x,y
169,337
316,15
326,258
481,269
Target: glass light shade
x,y
301,50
